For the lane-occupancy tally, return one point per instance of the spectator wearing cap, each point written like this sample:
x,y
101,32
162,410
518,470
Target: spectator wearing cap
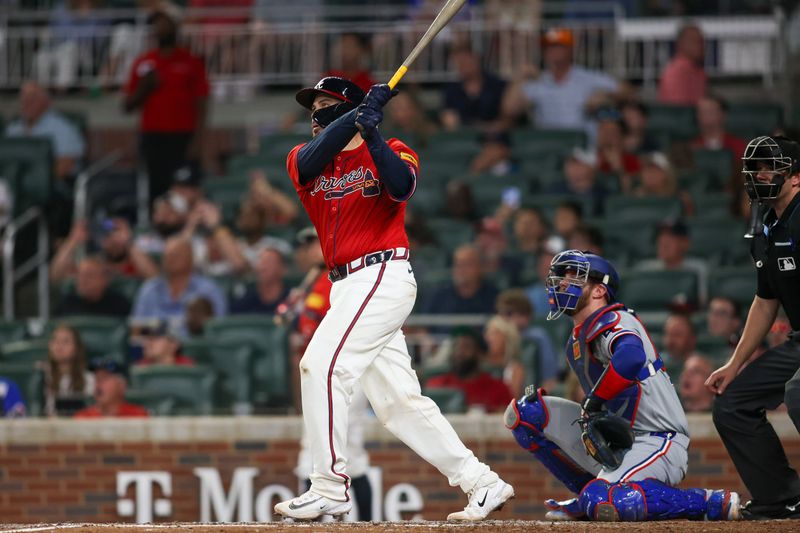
x,y
580,171
683,80
117,248
39,119
110,385
269,290
161,347
475,98
92,294
170,87
481,390
637,139
165,297
11,401
468,292
565,94
187,183
612,157
672,247
514,306
657,179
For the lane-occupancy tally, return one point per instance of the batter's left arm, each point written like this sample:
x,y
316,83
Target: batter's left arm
x,y
396,174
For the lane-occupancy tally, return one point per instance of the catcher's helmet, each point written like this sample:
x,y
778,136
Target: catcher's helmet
x,y
576,268
777,157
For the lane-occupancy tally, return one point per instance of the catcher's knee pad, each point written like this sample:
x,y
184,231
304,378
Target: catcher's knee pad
x,y
527,419
642,500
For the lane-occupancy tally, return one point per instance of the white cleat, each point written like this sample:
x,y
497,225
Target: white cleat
x,y
559,516
310,506
483,501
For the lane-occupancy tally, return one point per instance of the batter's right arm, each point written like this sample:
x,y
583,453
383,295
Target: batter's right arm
x,y
760,318
319,151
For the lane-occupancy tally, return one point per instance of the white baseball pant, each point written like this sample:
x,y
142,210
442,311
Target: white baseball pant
x,y
360,340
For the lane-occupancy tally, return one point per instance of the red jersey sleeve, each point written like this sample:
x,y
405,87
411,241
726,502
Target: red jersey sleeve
x,y
406,154
291,168
201,79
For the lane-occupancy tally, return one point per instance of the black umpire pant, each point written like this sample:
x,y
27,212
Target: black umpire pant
x,y
741,420
163,154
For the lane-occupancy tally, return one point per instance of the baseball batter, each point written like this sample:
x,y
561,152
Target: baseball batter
x,y
354,186
623,378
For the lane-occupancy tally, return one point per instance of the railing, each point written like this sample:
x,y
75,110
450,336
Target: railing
x,y
38,262
81,210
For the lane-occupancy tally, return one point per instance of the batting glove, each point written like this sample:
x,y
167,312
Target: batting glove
x,y
367,119
378,96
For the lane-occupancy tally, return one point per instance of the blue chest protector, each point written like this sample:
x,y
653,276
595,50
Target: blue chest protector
x,y
589,369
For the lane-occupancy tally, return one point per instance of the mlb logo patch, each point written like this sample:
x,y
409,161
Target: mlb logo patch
x,y
786,264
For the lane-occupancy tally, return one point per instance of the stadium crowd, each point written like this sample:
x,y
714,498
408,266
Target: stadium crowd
x,y
512,172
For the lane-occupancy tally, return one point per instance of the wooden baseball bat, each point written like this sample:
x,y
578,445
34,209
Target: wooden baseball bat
x,y
447,12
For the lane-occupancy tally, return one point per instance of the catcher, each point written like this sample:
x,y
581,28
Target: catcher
x,y
624,450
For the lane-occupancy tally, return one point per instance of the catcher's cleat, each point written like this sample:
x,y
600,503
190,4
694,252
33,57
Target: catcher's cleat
x,y
563,511
310,506
484,500
723,505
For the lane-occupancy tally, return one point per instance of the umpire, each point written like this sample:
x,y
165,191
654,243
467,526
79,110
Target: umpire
x,y
772,180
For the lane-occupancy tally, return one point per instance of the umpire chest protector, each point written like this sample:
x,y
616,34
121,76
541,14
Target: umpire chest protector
x,y
776,254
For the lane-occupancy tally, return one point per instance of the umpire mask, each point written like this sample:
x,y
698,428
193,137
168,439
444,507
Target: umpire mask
x,y
765,165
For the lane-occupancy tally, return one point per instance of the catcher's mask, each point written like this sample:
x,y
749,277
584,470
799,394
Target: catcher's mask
x,y
766,164
569,272
339,88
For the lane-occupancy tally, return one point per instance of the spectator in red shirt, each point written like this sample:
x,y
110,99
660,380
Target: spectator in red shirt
x,y
110,384
683,80
711,114
612,157
480,388
161,347
169,85
353,53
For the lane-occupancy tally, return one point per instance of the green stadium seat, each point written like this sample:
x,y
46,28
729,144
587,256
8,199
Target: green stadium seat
x,y
429,257
126,286
451,233
752,120
198,348
487,192
547,203
191,387
459,144
715,163
737,283
25,351
716,240
625,244
559,330
678,121
536,142
653,320
233,364
530,360
103,337
227,193
12,330
428,199
715,348
278,145
657,290
157,403
645,210
697,181
448,399
271,353
27,164
711,206
30,380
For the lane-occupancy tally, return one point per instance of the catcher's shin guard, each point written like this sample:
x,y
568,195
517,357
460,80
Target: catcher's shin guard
x,y
653,500
527,419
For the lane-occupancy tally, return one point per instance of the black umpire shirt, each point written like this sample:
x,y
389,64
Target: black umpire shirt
x,y
777,256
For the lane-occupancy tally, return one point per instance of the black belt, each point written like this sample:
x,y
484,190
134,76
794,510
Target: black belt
x,y
340,272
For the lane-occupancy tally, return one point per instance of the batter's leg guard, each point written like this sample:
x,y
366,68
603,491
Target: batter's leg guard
x,y
653,500
527,419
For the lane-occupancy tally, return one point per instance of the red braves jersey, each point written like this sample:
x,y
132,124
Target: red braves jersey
x,y
349,206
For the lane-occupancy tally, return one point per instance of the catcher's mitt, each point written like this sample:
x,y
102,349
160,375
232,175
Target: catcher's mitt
x,y
606,437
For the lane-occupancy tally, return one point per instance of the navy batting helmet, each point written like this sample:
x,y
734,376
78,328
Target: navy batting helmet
x,y
576,268
348,92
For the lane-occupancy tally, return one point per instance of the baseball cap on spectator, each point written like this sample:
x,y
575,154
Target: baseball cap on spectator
x,y
657,159
187,175
587,157
559,37
673,227
306,236
109,365
167,9
467,331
